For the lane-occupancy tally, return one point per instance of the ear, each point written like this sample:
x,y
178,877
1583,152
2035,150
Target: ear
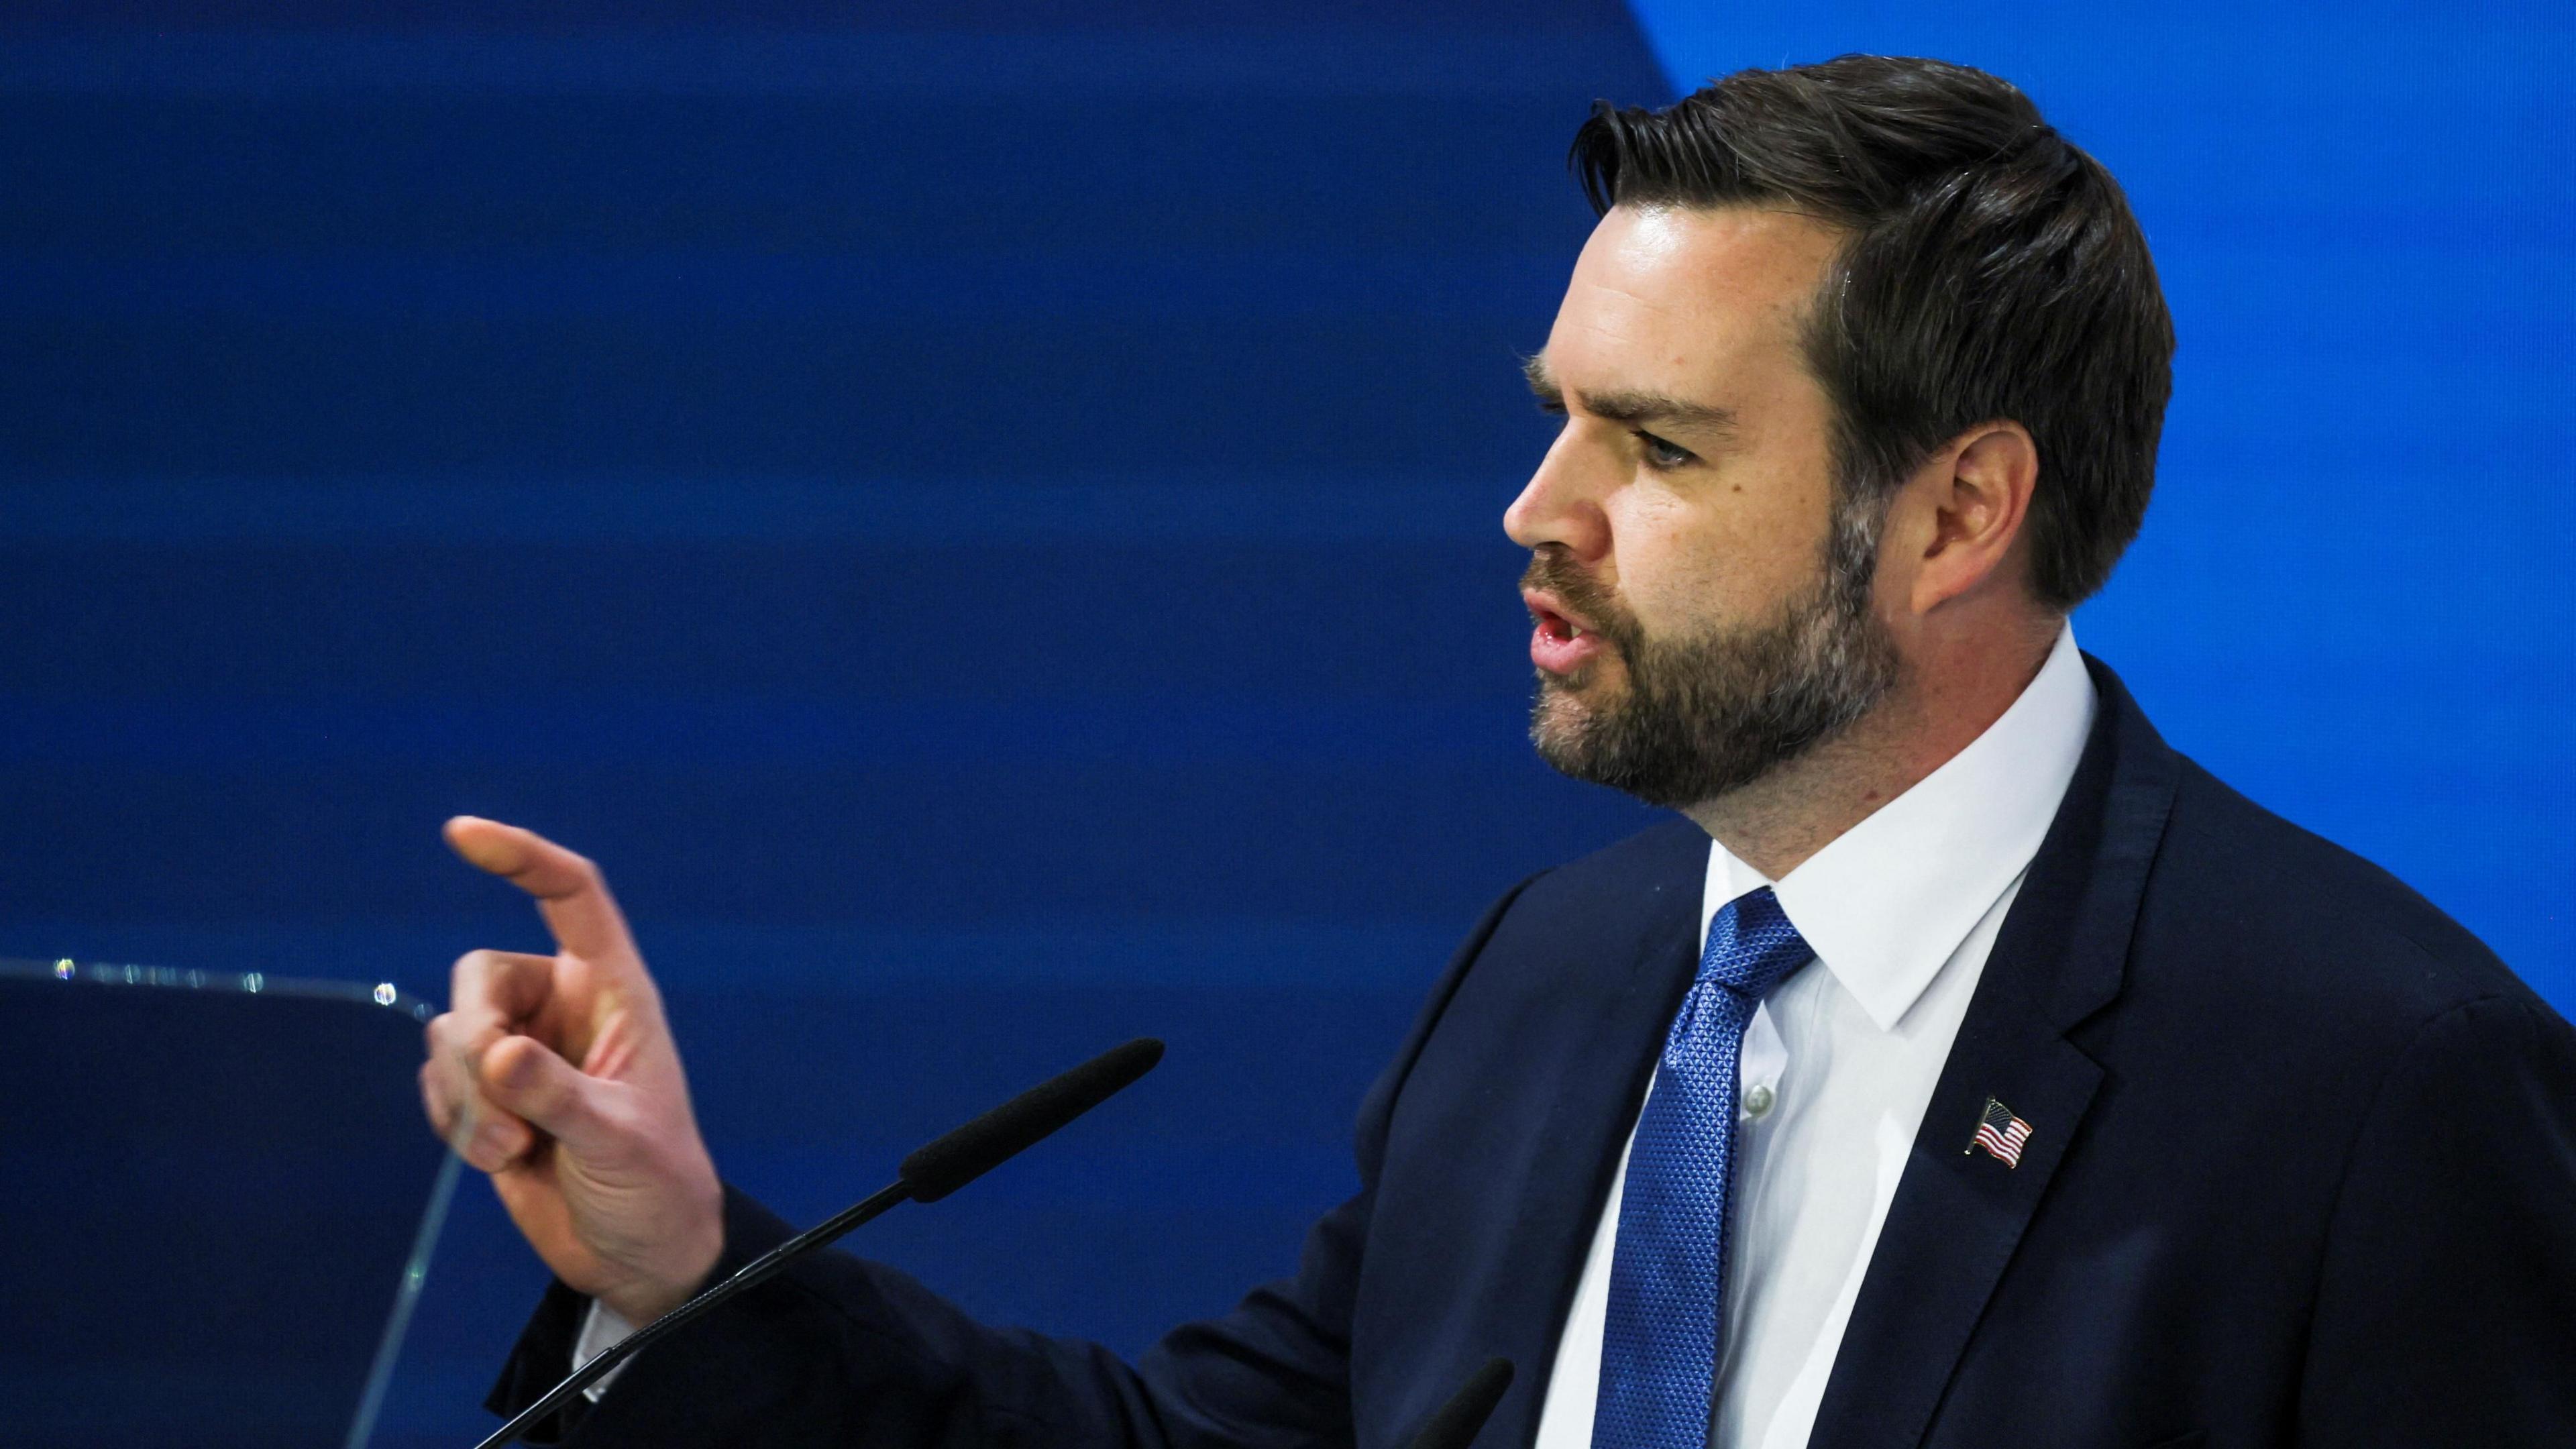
x,y
1970,502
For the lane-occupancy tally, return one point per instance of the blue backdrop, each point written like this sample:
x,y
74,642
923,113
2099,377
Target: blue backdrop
x,y
987,524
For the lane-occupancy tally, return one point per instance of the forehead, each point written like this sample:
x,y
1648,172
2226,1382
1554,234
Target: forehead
x,y
1691,302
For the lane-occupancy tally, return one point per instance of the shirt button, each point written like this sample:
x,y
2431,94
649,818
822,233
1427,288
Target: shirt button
x,y
1757,1099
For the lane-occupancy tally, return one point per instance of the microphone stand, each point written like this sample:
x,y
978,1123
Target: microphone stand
x,y
929,1174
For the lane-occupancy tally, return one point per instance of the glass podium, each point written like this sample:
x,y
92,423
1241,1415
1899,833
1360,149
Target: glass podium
x,y
217,1205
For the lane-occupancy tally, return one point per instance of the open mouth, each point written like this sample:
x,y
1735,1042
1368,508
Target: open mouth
x,y
1559,642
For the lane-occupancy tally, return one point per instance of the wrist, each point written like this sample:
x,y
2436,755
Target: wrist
x,y
692,1254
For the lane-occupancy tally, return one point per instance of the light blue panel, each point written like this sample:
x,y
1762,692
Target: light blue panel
x,y
2352,597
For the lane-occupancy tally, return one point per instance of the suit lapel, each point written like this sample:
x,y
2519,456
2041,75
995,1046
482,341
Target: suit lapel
x,y
1959,1214
1587,1117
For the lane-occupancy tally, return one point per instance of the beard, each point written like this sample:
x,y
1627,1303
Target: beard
x,y
1707,714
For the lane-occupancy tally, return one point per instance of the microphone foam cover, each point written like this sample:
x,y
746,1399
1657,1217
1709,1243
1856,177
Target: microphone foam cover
x,y
1455,1426
935,1171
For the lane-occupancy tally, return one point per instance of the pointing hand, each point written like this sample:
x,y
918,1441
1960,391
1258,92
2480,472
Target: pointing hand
x,y
557,1075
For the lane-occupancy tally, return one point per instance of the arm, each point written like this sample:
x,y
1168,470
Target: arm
x,y
842,1350
837,1350
2447,1309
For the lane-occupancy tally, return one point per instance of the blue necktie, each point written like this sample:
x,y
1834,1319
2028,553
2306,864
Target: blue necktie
x,y
1668,1276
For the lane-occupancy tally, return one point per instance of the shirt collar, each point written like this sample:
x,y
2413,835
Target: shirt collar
x,y
1885,903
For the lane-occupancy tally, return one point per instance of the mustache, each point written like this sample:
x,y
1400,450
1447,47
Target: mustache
x,y
1552,569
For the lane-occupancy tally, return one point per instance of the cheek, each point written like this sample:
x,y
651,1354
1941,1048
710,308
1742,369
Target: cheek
x,y
1736,545
1680,568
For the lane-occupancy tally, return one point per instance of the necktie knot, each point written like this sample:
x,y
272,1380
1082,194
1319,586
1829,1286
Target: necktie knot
x,y
1752,946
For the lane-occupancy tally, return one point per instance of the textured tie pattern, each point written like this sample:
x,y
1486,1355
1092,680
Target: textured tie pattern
x,y
1668,1275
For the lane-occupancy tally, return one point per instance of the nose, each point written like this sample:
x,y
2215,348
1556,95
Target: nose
x,y
1561,503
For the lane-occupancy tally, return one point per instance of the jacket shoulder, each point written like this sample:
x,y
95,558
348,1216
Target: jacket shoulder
x,y
2283,909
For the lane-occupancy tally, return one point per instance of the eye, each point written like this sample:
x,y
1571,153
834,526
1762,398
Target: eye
x,y
1662,456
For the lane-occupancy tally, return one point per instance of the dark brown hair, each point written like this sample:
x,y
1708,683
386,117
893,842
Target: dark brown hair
x,y
1991,271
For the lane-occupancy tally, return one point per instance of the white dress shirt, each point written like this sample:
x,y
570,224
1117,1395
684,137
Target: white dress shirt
x,y
1839,1062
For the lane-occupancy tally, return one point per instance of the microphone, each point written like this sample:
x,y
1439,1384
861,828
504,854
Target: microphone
x,y
1455,1426
929,1174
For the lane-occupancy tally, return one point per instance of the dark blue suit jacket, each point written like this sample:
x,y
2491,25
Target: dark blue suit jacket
x,y
2303,1173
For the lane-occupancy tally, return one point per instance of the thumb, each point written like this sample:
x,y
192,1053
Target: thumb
x,y
525,1077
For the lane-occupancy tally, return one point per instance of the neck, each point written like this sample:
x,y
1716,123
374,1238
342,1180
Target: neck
x,y
1937,708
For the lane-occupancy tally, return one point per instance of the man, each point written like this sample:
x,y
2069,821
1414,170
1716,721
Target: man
x,y
1966,1069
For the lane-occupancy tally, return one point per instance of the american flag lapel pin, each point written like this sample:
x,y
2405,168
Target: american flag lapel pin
x,y
2000,1133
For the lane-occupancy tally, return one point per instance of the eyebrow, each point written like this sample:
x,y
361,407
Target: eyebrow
x,y
1627,405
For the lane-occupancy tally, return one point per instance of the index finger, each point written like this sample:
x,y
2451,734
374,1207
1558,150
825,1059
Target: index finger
x,y
570,893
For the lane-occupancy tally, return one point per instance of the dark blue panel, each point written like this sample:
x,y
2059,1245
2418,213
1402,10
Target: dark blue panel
x,y
990,530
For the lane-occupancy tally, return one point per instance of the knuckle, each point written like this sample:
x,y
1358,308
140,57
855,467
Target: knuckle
x,y
517,1065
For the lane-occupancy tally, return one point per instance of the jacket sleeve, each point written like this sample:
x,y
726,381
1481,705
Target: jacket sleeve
x,y
2446,1313
838,1350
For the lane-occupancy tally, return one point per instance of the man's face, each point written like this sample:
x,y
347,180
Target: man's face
x,y
1702,604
